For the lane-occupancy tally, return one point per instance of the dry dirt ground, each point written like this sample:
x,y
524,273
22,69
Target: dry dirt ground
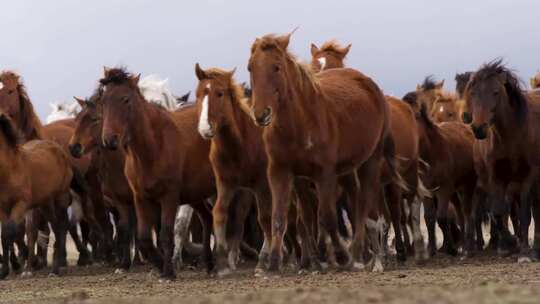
x,y
483,279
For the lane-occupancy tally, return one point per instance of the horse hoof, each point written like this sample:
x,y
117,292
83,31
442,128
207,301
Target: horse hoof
x,y
119,271
26,274
378,267
225,272
524,260
165,281
357,266
53,275
324,265
303,271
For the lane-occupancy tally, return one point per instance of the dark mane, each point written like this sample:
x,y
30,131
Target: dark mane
x,y
30,125
461,82
11,134
410,98
116,76
429,83
512,85
424,117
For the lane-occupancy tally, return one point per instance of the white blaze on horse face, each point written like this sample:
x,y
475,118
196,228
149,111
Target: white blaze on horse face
x,y
204,125
1,85
441,109
322,61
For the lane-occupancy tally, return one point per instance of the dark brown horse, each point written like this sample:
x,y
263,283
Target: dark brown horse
x,y
329,56
461,83
505,121
87,139
166,163
37,174
309,122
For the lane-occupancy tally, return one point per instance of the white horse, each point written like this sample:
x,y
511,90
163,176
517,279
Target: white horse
x,y
63,110
156,90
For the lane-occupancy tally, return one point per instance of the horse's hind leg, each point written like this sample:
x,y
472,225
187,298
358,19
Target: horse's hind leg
x,y
420,253
264,218
375,232
145,223
242,207
21,245
166,234
220,212
124,237
307,224
31,236
430,214
9,233
84,254
443,198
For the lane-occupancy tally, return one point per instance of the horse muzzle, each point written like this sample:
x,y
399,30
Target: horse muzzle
x,y
265,118
111,143
480,131
76,150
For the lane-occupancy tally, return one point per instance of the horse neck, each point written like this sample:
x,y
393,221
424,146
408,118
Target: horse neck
x,y
508,127
300,108
237,132
144,140
9,161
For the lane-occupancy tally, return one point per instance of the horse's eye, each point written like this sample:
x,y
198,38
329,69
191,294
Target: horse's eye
x,y
125,99
10,92
450,114
276,68
219,94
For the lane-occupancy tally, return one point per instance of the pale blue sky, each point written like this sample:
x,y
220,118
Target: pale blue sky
x,y
61,46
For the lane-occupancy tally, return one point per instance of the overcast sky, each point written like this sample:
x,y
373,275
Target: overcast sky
x,y
60,46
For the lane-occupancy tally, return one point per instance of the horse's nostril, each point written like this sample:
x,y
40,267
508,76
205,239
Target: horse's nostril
x,y
466,117
112,143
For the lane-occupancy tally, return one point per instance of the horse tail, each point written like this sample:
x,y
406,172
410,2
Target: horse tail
x,y
389,153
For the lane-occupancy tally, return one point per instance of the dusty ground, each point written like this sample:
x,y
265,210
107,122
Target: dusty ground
x,y
484,279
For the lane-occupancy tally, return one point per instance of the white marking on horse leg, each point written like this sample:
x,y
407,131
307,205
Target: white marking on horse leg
x,y
419,246
322,61
181,231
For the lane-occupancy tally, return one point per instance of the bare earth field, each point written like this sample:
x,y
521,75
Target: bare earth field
x,y
483,279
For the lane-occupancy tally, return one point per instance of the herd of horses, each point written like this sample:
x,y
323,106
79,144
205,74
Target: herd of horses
x,y
310,164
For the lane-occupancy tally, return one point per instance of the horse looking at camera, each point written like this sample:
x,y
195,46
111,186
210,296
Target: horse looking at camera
x,y
309,125
329,56
37,174
506,122
428,92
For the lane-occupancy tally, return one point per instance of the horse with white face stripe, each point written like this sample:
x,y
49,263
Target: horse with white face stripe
x,y
330,56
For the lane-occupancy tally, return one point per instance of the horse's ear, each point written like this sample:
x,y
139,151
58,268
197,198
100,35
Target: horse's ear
x,y
418,88
231,72
346,50
439,85
201,74
314,49
136,79
105,70
283,41
80,101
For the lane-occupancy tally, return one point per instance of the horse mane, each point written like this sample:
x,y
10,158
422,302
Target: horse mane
x,y
424,116
11,133
429,83
512,85
332,46
117,75
30,123
410,97
461,82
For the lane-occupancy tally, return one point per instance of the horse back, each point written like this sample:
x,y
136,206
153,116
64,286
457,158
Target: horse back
x,y
403,128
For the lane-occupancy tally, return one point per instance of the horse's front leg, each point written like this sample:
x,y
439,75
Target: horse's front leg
x,y
280,180
146,220
500,209
220,212
443,199
264,217
169,206
525,219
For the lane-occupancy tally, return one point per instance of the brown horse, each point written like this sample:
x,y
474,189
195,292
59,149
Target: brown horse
x,y
461,83
403,131
331,55
166,163
309,122
87,139
447,149
37,174
15,102
505,121
428,92
447,108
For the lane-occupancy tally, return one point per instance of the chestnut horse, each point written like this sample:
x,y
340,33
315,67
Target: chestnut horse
x,y
535,81
505,121
310,125
447,107
37,174
428,92
403,130
166,163
331,55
